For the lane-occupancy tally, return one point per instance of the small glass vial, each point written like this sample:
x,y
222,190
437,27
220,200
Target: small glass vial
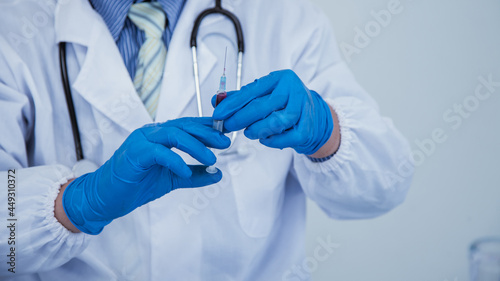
x,y
485,259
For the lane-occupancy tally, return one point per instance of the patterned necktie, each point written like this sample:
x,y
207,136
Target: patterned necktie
x,y
150,18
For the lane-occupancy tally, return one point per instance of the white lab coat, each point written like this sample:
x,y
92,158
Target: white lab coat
x,y
251,225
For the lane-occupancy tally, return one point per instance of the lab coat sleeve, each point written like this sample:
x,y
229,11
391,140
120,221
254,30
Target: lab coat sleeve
x,y
370,173
34,238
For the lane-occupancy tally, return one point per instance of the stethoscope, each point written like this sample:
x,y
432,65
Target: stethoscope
x,y
216,10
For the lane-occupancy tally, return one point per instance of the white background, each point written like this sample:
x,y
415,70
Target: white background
x,y
426,60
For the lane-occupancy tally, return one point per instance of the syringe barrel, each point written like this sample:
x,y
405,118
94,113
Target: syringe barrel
x,y
219,124
221,95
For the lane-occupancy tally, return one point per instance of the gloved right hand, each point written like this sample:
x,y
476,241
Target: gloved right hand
x,y
142,170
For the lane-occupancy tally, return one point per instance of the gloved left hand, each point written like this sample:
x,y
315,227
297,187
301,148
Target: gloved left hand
x,y
143,169
279,111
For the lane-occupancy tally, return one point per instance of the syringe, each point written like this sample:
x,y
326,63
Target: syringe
x,y
221,95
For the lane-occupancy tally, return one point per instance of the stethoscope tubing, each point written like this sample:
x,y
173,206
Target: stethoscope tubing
x,y
241,49
69,101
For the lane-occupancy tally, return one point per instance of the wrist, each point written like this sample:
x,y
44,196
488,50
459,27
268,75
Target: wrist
x,y
333,143
59,211
77,208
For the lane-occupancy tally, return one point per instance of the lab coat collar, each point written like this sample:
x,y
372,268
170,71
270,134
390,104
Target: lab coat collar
x,y
74,21
103,80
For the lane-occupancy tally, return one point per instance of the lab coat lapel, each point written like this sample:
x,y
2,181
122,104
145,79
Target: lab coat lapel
x,y
178,88
103,80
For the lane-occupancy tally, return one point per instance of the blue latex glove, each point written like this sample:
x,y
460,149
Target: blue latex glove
x,y
142,170
280,111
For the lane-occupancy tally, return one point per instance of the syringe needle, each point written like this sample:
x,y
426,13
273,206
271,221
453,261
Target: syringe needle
x,y
225,57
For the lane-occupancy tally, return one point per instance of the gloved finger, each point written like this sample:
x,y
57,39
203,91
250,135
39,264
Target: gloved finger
x,y
175,137
256,110
237,100
206,135
290,138
165,157
214,100
200,177
203,134
214,97
206,121
276,123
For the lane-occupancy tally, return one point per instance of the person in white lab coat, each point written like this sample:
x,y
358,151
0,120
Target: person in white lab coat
x,y
250,224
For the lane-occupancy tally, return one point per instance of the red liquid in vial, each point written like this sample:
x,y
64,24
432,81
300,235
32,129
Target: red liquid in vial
x,y
220,97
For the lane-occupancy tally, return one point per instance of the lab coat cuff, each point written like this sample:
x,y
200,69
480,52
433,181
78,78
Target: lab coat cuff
x,y
60,232
344,152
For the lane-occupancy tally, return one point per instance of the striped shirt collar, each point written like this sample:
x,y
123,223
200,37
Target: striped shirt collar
x,y
114,12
